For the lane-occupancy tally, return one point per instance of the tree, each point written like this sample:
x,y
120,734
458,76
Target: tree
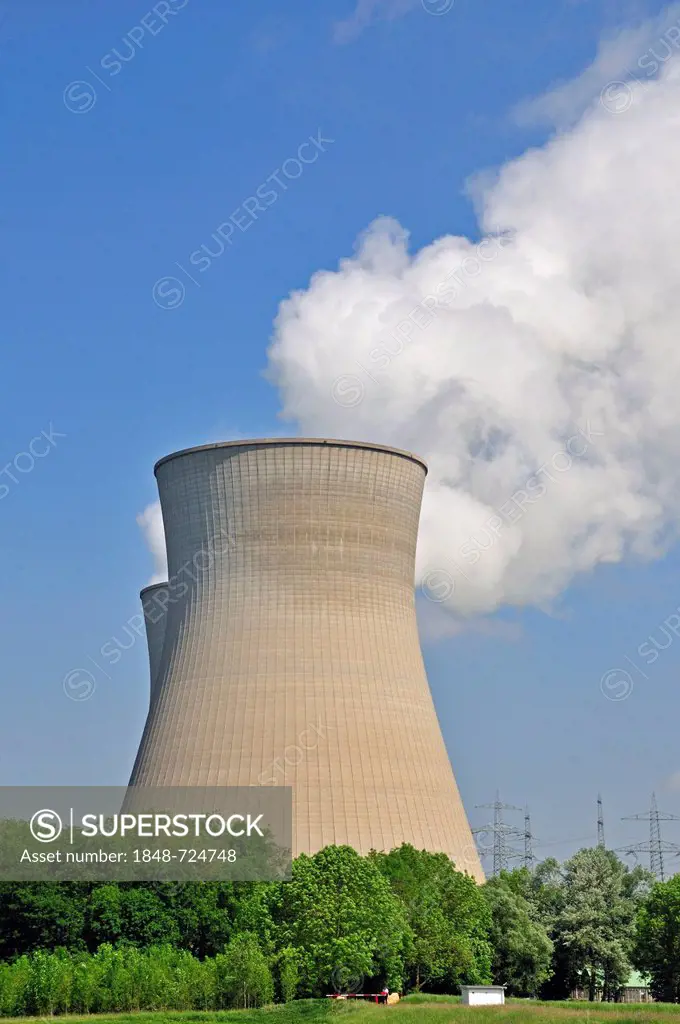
x,y
252,906
243,974
145,920
41,915
289,973
657,941
543,889
15,983
345,922
447,914
595,925
203,912
50,983
104,920
523,952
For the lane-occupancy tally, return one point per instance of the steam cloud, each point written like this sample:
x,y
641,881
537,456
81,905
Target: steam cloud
x,y
538,371
150,521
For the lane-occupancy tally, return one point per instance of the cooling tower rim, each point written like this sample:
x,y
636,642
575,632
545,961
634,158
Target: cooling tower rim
x,y
153,586
283,441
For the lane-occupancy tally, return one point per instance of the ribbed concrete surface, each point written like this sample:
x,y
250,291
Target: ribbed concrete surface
x,y
155,605
291,654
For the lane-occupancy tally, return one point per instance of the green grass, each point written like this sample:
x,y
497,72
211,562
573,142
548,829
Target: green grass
x,y
414,1009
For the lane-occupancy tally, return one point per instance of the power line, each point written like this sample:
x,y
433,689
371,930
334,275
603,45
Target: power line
x,y
565,842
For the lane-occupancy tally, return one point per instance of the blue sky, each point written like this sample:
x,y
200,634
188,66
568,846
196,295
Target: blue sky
x,y
106,187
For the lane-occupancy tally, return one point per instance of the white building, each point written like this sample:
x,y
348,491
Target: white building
x,y
482,995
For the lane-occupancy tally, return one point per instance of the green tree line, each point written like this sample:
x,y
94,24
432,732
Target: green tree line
x,y
344,922
406,919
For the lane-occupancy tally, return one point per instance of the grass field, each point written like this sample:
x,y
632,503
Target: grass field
x,y
412,1010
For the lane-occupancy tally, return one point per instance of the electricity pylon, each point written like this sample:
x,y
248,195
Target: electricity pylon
x,y
502,852
656,846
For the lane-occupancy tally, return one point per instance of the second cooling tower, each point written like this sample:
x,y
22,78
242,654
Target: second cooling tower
x,y
291,653
155,600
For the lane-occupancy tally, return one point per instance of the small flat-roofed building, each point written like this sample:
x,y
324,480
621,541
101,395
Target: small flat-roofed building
x,y
482,995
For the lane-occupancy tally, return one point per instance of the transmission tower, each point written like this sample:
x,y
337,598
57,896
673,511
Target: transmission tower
x,y
656,846
600,822
528,842
502,851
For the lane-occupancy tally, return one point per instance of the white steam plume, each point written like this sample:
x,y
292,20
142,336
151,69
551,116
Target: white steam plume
x,y
634,53
368,11
150,521
537,371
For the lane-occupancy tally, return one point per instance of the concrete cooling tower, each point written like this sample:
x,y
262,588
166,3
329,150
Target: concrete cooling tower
x,y
291,653
155,601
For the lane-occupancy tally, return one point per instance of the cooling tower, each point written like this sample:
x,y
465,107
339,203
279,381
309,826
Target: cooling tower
x,y
291,653
155,601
